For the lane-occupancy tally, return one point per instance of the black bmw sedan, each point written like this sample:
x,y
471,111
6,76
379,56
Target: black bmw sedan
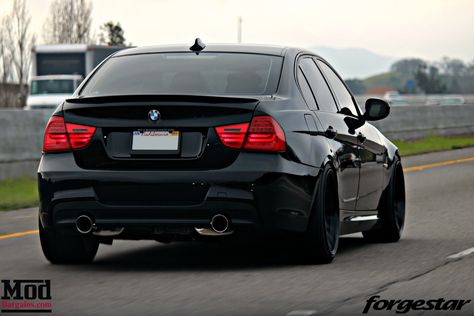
x,y
180,143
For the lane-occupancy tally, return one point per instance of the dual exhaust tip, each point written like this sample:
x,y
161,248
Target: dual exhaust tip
x,y
220,225
85,225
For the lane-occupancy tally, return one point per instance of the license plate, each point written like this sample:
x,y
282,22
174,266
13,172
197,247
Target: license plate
x,y
155,141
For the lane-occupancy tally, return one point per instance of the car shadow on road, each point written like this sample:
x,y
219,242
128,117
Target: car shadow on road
x,y
200,256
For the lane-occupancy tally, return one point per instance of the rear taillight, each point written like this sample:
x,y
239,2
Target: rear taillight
x,y
265,134
262,134
61,136
79,135
233,136
55,137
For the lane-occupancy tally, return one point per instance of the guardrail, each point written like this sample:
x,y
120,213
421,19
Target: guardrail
x,y
412,122
416,99
21,140
21,132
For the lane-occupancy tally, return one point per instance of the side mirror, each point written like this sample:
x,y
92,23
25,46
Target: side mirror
x,y
376,109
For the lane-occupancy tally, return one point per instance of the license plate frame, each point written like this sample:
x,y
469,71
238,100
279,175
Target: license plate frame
x,y
155,142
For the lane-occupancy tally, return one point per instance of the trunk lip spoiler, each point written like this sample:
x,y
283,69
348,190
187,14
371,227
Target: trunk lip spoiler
x,y
198,98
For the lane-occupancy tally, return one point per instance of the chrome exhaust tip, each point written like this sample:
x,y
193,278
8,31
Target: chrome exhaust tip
x,y
219,226
84,224
220,223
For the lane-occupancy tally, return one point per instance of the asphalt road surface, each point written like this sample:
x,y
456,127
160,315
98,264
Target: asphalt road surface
x,y
261,278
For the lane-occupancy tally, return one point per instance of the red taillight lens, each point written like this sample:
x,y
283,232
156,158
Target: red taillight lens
x,y
61,136
55,137
263,134
233,136
79,135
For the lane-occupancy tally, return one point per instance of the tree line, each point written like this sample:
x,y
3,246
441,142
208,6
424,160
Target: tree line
x,y
415,75
449,75
69,22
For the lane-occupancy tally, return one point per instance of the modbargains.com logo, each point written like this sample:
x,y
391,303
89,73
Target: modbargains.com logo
x,y
26,296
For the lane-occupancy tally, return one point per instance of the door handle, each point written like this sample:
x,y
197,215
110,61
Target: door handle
x,y
331,132
361,137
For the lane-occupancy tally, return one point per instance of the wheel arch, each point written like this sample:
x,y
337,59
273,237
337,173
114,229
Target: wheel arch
x,y
329,163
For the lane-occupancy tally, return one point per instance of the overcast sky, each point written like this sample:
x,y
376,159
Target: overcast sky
x,y
423,28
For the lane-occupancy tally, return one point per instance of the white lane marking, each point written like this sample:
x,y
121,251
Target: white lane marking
x,y
302,313
462,253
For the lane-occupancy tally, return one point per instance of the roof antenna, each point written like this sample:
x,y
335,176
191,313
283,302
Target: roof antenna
x,y
197,46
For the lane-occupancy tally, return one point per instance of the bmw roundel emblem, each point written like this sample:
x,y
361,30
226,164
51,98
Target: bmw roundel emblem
x,y
154,115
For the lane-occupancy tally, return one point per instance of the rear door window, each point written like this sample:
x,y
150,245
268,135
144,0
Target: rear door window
x,y
306,91
343,95
318,85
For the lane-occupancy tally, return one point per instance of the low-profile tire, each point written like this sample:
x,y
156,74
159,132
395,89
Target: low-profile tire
x,y
391,221
67,249
322,235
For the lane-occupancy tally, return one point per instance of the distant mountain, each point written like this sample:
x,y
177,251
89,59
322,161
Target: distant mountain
x,y
355,62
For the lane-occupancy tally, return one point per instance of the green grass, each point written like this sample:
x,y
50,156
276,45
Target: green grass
x,y
393,79
433,143
18,193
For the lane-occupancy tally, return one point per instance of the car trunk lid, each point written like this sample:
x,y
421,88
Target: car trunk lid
x,y
185,122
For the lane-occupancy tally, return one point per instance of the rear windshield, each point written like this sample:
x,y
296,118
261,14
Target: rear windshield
x,y
186,73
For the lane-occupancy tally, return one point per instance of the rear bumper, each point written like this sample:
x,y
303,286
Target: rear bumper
x,y
257,191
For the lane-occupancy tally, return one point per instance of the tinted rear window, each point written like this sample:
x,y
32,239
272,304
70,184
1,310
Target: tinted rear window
x,y
186,73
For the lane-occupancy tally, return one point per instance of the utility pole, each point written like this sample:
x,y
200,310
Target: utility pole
x,y
239,30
